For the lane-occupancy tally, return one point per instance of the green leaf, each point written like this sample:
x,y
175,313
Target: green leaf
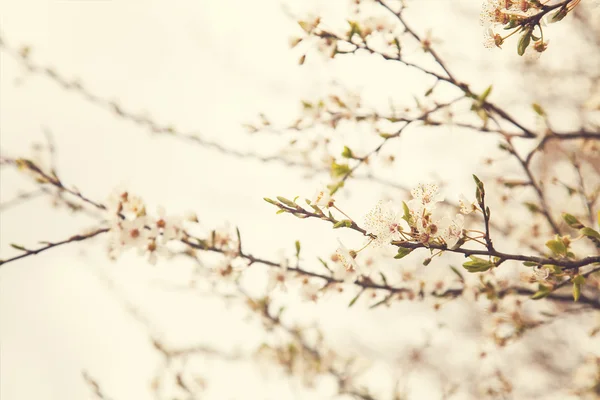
x,y
343,223
485,94
576,292
347,153
480,191
18,247
338,170
504,146
572,221
270,201
557,247
287,202
280,211
297,248
397,43
542,292
457,272
402,252
355,298
383,278
325,265
538,110
589,232
407,217
354,30
560,14
532,207
578,281
530,264
524,42
477,264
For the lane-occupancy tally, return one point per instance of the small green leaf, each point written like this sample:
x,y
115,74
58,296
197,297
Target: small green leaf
x,y
480,191
354,30
383,278
524,42
402,252
457,272
589,232
560,14
343,223
530,264
542,292
325,265
270,200
477,264
485,94
504,146
297,248
407,217
532,207
280,211
538,110
578,281
576,292
347,153
557,247
355,298
287,202
397,43
572,221
338,170
18,247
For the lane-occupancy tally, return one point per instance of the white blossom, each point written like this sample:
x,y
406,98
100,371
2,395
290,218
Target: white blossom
x,y
383,221
322,197
346,257
277,275
429,228
466,206
310,290
153,249
133,233
170,227
452,230
134,206
425,196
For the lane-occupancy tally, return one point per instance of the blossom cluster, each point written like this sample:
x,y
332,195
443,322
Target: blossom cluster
x,y
132,227
518,16
417,221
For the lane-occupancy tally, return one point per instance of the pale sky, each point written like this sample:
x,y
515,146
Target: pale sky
x,y
205,67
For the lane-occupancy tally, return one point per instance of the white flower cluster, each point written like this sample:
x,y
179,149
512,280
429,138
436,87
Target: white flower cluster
x,y
131,227
497,13
416,222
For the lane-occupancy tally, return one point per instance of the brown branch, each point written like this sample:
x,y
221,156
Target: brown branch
x,y
20,198
51,245
545,209
565,263
94,385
